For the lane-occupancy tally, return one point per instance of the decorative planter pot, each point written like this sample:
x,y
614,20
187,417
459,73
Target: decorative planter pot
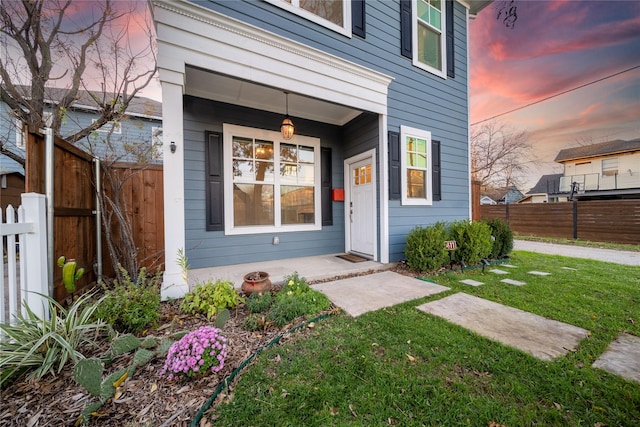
x,y
257,281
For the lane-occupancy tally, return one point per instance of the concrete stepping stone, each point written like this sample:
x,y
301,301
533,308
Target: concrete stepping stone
x,y
622,357
539,273
569,268
513,282
360,294
498,271
543,338
471,282
509,266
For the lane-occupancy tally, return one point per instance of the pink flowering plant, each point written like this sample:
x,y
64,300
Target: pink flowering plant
x,y
196,352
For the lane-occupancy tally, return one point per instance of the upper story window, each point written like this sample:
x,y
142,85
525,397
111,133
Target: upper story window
x,y
610,166
21,136
415,157
333,14
429,35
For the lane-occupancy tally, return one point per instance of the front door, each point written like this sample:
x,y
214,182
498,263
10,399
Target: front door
x,y
361,208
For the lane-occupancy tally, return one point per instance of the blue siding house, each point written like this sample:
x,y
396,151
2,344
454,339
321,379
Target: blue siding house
x,y
130,140
299,128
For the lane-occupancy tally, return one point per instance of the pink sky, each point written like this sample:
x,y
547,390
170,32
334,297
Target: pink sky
x,y
554,47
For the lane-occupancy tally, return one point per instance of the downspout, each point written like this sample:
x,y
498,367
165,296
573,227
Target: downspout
x,y
98,213
48,189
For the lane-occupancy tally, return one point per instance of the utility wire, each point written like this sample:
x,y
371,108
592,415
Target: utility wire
x,y
557,94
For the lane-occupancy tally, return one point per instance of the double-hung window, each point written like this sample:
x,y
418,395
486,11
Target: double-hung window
x,y
333,14
429,35
270,185
416,166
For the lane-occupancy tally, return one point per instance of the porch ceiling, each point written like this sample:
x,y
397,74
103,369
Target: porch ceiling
x,y
218,87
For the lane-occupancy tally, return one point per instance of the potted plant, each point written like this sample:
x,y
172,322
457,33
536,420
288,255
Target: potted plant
x,y
256,281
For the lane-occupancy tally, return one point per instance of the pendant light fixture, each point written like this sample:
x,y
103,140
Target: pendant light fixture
x,y
287,127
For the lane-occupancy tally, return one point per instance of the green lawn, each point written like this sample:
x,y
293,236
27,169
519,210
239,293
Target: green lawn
x,y
400,366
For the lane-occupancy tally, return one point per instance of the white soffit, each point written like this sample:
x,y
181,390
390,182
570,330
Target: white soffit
x,y
244,59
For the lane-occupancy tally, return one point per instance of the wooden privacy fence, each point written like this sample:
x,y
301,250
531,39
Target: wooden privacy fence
x,y
616,221
75,207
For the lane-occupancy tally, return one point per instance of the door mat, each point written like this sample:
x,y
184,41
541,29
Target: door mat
x,y
352,258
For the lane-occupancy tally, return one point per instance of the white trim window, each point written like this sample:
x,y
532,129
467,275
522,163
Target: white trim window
x,y
333,14
610,166
415,161
270,185
110,126
429,36
21,137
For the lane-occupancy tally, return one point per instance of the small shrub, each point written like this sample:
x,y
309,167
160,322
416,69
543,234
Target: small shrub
x,y
425,249
42,346
196,352
257,303
503,243
209,298
253,322
129,306
295,299
473,240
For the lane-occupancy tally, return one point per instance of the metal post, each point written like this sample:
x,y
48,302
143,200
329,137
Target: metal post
x,y
48,186
575,219
98,213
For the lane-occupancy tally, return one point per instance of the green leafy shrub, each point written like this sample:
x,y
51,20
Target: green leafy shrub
x,y
503,243
253,322
209,298
129,306
425,249
295,299
473,240
257,302
41,346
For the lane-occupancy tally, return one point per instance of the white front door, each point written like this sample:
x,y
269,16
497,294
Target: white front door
x,y
361,207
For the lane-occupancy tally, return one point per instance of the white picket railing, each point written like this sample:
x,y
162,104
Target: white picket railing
x,y
24,271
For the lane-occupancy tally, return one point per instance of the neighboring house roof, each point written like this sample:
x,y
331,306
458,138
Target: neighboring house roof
x,y
595,150
486,200
504,195
138,107
547,184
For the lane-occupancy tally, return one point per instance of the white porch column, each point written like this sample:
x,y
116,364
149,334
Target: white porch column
x,y
173,286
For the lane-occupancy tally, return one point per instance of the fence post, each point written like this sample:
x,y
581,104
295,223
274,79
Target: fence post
x,y
575,220
35,245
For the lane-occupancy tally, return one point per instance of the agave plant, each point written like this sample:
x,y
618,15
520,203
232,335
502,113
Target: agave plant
x,y
39,346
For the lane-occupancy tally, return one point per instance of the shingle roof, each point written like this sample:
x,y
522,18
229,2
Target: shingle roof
x,y
547,184
594,150
138,106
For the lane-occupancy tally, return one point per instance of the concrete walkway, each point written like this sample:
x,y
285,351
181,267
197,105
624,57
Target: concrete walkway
x,y
598,254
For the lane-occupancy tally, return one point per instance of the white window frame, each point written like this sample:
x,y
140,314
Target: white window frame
x,y
405,132
442,72
229,132
20,135
294,7
116,126
608,168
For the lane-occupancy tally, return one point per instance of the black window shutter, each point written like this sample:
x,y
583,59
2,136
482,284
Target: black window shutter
x,y
436,187
395,190
405,28
214,182
326,184
451,66
358,23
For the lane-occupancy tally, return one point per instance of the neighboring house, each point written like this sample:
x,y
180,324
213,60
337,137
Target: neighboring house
x,y
486,200
131,140
378,95
609,170
546,190
501,196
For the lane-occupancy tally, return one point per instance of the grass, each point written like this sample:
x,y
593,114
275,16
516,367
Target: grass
x,y
400,366
578,242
